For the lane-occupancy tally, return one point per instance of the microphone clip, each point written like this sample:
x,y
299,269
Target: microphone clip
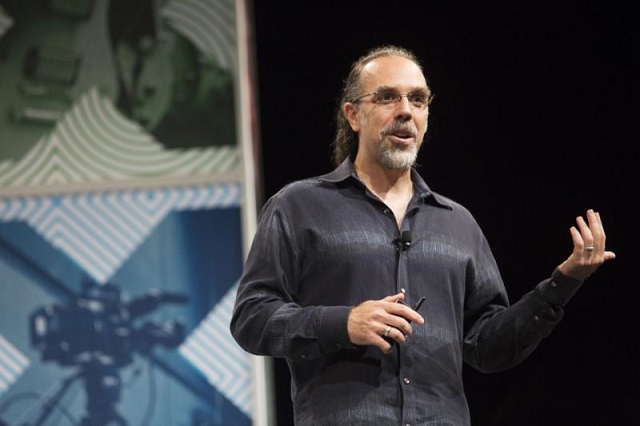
x,y
403,241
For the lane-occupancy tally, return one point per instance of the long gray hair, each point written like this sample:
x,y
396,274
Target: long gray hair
x,y
345,143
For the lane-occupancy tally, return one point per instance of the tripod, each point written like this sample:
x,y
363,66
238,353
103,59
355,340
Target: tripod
x,y
102,385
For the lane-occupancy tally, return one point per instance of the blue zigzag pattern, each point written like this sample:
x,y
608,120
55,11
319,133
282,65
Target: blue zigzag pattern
x,y
211,349
100,230
12,364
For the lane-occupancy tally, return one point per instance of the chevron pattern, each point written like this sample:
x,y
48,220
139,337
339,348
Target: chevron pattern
x,y
100,230
12,364
212,350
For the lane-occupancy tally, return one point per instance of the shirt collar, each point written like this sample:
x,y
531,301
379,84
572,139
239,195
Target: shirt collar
x,y
346,171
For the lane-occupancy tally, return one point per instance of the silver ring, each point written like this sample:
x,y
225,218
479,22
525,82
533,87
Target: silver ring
x,y
386,331
589,248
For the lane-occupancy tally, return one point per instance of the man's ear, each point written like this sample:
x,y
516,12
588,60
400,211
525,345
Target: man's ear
x,y
350,112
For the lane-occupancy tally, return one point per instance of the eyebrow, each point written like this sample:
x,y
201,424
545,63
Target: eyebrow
x,y
413,90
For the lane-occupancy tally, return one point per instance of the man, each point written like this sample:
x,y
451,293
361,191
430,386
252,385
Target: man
x,y
334,255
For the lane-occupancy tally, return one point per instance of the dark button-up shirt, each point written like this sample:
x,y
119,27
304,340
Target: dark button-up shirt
x,y
326,244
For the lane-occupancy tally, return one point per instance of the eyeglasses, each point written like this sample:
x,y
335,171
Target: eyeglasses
x,y
418,99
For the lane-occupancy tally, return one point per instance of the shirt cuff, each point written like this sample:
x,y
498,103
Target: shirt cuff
x,y
558,289
332,327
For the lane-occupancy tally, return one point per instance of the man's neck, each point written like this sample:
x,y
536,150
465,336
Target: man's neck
x,y
382,181
392,187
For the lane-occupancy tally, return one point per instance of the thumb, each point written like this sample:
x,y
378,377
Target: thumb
x,y
394,298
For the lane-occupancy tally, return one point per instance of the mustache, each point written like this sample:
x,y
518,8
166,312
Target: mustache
x,y
399,126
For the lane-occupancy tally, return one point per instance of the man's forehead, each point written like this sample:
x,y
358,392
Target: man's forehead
x,y
392,71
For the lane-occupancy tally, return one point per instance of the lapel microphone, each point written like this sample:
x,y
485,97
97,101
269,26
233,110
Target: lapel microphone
x,y
403,241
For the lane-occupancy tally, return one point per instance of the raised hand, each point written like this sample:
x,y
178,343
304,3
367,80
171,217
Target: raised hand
x,y
588,247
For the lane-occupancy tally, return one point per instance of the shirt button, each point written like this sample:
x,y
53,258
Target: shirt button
x,y
403,291
303,356
535,317
386,211
406,381
553,284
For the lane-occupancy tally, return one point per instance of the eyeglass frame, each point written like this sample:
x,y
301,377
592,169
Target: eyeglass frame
x,y
397,97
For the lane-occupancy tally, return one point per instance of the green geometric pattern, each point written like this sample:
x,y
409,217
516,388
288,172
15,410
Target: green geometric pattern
x,y
209,25
93,142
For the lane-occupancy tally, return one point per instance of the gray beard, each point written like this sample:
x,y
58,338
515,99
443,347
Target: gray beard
x,y
394,158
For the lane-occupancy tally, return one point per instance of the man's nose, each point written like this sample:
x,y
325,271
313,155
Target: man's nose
x,y
403,108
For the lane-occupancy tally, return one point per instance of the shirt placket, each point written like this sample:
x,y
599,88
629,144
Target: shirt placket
x,y
407,394
403,285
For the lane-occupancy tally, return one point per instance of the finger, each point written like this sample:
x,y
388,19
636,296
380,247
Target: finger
x,y
608,255
578,243
399,327
396,335
585,232
384,345
597,229
404,312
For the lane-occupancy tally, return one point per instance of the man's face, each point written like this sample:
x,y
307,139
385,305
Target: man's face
x,y
390,130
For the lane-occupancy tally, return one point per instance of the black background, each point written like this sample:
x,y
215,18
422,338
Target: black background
x,y
534,121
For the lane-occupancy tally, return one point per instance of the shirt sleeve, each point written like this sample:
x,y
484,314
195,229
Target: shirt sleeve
x,y
503,336
266,319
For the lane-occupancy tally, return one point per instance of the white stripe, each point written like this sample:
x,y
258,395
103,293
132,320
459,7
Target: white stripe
x,y
17,355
